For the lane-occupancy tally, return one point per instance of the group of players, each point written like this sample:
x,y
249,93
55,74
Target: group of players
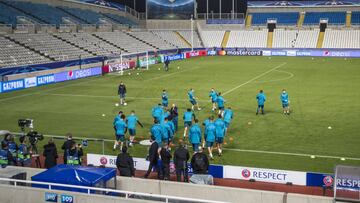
x,y
166,121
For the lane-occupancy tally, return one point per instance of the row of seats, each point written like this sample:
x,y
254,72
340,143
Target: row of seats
x,y
291,18
47,14
342,39
213,38
171,37
295,38
355,17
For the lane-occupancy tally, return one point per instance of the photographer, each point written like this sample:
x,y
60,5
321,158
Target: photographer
x,y
23,153
5,155
74,154
12,147
67,145
50,154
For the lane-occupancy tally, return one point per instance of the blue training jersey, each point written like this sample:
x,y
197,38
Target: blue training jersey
x,y
157,132
219,128
191,96
195,134
164,97
261,98
157,112
120,127
213,96
131,121
188,116
117,117
210,132
284,97
220,101
228,115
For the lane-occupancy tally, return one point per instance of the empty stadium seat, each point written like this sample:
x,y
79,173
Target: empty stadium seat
x,y
355,17
288,18
341,39
295,38
333,17
248,38
213,38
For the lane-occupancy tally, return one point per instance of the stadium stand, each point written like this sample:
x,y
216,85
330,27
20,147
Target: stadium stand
x,y
50,46
90,43
171,37
213,38
248,38
187,36
333,17
151,39
86,16
295,38
355,18
9,14
119,19
287,18
13,54
341,39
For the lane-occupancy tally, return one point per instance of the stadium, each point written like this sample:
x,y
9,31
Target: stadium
x,y
179,101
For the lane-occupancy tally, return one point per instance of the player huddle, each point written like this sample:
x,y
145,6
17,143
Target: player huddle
x,y
165,123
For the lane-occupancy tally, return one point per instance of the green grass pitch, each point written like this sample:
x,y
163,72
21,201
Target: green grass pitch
x,y
323,92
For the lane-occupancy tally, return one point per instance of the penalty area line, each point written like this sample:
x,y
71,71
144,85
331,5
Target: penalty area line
x,y
249,81
290,154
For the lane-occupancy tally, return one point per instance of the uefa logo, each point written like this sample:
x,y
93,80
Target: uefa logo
x,y
70,74
328,181
103,160
245,173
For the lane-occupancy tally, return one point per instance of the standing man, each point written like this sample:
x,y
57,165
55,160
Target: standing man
x,y
213,96
188,117
157,112
153,157
169,131
121,129
228,116
219,133
165,163
205,123
220,102
50,154
261,98
210,136
284,97
5,155
192,100
165,98
67,145
125,163
181,157
132,120
23,155
156,132
195,136
74,154
166,64
122,93
174,115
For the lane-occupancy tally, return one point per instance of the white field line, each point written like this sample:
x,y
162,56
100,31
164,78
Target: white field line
x,y
108,96
291,75
290,154
249,81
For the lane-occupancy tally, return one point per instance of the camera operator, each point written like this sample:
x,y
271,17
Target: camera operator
x,y
74,154
23,153
67,146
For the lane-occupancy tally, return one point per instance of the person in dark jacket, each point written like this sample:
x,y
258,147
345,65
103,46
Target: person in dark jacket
x,y
165,163
74,154
153,157
67,145
50,154
125,163
181,156
5,155
200,163
122,93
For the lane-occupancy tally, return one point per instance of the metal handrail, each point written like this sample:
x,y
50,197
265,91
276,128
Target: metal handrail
x,y
89,189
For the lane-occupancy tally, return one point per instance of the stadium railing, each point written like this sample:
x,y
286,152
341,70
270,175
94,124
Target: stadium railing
x,y
90,190
204,16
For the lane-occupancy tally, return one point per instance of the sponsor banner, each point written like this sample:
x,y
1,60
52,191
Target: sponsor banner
x,y
30,82
319,180
303,53
51,197
225,21
349,183
266,53
244,53
0,87
222,53
173,57
195,53
265,175
291,53
141,164
119,66
13,85
212,53
45,79
278,53
151,61
77,74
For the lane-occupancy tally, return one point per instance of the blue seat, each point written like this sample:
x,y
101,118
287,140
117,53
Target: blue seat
x,y
333,17
119,19
288,18
8,14
355,18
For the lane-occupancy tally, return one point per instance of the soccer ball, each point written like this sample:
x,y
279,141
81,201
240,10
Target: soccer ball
x,y
137,73
125,104
158,68
116,104
178,67
129,73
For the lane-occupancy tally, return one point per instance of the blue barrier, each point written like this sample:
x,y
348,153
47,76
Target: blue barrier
x,y
319,179
13,85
